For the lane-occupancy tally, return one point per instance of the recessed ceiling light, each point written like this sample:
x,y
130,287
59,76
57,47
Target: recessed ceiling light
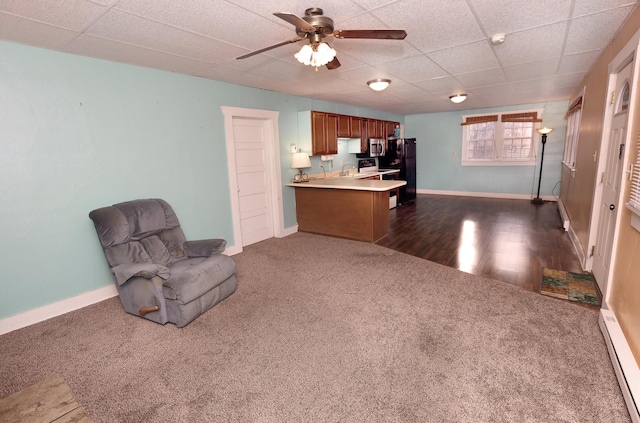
x,y
378,84
458,98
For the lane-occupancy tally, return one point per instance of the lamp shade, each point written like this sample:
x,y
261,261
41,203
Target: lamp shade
x,y
315,55
300,161
545,130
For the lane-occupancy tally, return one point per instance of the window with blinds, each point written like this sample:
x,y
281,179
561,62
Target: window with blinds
x,y
501,139
634,199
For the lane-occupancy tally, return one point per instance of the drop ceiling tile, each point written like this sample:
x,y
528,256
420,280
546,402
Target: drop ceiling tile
x,y
580,62
429,22
373,52
401,89
87,45
336,85
508,16
197,16
221,73
411,69
441,84
466,58
501,90
20,30
595,31
362,74
482,78
338,10
533,85
131,29
287,71
534,70
68,14
569,80
588,7
525,46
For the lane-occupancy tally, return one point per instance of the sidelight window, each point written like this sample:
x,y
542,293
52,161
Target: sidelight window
x,y
501,139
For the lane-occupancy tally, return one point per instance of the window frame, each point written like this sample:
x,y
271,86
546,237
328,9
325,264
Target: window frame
x,y
572,137
498,141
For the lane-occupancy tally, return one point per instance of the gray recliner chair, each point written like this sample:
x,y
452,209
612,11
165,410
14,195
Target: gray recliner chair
x,y
159,275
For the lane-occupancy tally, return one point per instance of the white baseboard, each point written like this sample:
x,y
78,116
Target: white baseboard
x,y
623,361
41,314
49,311
485,194
289,231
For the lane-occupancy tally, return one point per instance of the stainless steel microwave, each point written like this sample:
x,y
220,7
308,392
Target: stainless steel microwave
x,y
377,147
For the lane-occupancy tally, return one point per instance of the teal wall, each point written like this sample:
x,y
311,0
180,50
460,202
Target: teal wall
x,y
439,143
78,133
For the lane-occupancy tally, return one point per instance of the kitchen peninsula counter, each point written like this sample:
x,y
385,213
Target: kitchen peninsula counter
x,y
344,207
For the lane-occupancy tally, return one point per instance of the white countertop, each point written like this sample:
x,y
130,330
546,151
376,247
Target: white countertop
x,y
354,183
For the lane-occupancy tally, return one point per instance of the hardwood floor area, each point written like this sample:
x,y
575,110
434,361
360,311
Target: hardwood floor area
x,y
507,240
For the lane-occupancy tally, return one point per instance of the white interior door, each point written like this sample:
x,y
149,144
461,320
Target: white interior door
x,y
611,179
252,171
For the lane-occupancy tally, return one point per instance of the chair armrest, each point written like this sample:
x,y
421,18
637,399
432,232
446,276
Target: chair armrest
x,y
124,272
204,247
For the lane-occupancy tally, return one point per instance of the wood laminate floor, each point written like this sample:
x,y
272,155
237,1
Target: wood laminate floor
x,y
507,240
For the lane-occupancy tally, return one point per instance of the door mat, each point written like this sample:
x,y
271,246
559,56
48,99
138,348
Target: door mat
x,y
569,286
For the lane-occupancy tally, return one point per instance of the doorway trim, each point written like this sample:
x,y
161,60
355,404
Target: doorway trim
x,y
628,54
272,162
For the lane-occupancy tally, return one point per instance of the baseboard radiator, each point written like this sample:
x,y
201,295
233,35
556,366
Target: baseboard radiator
x,y
564,216
624,363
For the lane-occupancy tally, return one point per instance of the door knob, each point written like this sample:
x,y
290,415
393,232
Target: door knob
x,y
612,207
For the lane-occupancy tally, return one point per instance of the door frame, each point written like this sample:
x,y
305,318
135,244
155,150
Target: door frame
x,y
272,164
628,54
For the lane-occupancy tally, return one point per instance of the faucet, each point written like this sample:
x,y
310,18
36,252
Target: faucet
x,y
346,173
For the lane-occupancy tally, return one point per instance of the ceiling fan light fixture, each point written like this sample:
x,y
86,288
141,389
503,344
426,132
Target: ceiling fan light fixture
x,y
458,98
315,55
379,84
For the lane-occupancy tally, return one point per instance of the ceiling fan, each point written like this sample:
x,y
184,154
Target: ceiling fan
x,y
314,26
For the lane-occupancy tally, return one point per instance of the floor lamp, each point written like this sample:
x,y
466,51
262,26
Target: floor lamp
x,y
543,131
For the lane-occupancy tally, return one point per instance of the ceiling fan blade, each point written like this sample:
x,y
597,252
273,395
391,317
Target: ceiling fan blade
x,y
334,64
378,34
294,20
262,50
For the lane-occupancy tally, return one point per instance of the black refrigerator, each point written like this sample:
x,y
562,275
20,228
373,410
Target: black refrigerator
x,y
401,155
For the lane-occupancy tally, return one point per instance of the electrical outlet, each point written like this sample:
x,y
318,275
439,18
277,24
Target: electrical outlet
x,y
341,163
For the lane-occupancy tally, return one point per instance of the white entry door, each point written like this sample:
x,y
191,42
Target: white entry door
x,y
254,191
611,179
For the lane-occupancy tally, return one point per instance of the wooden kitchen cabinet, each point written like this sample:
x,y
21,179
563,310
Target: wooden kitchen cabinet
x,y
355,125
324,133
344,126
388,128
374,128
319,131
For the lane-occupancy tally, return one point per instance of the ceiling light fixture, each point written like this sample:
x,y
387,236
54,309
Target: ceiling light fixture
x,y
458,98
316,54
379,84
498,39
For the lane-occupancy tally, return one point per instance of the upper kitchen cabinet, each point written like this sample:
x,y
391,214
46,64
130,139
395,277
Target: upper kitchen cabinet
x,y
344,126
374,129
356,127
318,133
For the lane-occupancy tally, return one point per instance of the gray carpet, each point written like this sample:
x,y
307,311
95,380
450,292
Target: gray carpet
x,y
330,330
